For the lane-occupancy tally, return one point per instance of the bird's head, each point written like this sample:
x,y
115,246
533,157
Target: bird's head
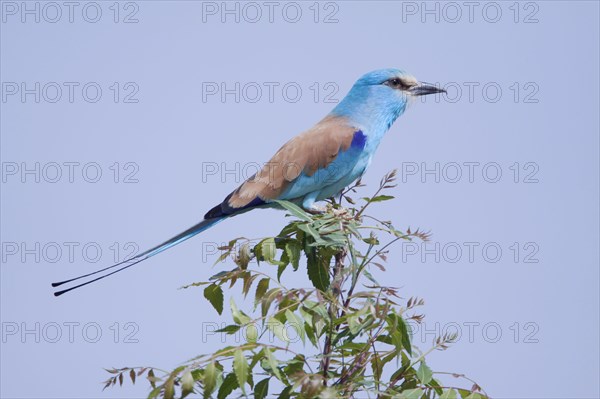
x,y
380,96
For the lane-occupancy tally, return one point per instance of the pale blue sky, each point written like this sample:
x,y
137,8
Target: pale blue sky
x,y
544,125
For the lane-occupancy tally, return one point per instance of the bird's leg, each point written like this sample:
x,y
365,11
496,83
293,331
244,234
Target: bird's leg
x,y
309,204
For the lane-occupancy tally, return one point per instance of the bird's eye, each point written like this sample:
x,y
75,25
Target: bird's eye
x,y
395,83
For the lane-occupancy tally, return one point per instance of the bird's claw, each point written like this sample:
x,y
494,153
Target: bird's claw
x,y
315,209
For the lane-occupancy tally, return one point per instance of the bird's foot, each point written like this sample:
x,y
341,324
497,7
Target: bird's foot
x,y
315,209
340,213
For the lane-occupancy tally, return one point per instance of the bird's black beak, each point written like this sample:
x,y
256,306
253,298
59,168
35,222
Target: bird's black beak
x,y
423,89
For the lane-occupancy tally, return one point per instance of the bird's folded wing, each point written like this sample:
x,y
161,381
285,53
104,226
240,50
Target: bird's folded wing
x,y
305,154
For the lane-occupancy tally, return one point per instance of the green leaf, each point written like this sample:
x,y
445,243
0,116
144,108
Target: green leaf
x,y
464,393
379,198
228,386
354,325
280,270
169,391
292,249
187,383
336,239
238,316
218,276
296,323
295,210
397,340
268,300
388,359
295,365
377,366
448,394
411,394
152,378
261,390
248,280
230,329
154,392
436,386
372,240
240,367
266,250
307,228
474,395
214,294
273,363
278,328
424,373
261,289
403,328
210,379
318,271
285,394
310,333
370,276
258,356
251,333
305,314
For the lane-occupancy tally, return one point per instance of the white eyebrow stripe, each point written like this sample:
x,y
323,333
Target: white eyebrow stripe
x,y
409,80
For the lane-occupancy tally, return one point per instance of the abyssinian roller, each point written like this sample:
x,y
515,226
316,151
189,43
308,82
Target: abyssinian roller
x,y
315,165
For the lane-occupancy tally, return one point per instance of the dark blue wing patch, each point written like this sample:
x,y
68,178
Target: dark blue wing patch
x,y
358,140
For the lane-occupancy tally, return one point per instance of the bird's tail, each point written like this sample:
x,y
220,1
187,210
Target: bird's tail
x,y
189,233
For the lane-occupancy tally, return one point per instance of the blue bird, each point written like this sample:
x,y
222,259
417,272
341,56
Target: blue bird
x,y
315,165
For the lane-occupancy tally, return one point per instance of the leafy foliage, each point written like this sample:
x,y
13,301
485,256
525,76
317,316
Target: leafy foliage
x,y
357,328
